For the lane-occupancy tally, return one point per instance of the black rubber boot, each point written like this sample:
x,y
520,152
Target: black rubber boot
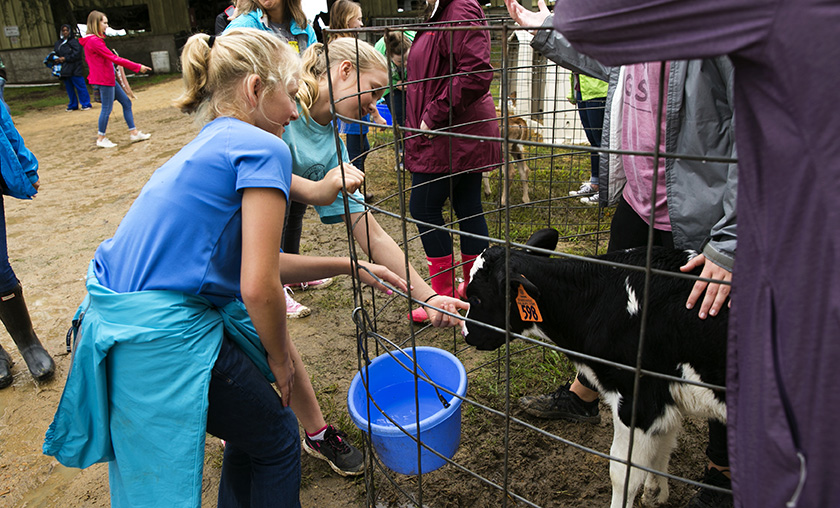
x,y
5,369
15,316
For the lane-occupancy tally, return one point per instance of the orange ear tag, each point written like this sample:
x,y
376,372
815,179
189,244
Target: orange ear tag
x,y
528,309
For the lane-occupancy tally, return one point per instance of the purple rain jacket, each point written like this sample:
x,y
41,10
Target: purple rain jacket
x,y
451,102
783,381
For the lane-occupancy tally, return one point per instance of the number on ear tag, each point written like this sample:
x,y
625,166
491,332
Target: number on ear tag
x,y
528,309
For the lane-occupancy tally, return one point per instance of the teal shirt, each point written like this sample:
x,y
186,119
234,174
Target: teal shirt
x,y
313,155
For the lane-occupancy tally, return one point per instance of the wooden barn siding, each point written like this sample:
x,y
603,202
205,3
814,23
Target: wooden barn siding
x,y
388,8
37,27
34,21
379,8
165,16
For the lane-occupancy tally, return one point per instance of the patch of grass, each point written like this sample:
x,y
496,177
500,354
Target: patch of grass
x,y
142,82
334,298
534,370
22,100
306,481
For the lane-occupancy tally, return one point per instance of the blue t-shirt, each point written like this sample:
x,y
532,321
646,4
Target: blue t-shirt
x,y
313,155
184,231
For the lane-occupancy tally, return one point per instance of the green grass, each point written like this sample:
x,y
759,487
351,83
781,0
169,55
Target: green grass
x,y
534,369
26,99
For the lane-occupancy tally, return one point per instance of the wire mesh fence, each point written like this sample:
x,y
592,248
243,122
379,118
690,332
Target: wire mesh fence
x,y
506,457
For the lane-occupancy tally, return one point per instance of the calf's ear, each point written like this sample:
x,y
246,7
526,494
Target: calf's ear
x,y
545,238
519,280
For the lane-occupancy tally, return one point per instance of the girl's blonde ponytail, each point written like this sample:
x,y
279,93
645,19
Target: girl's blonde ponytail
x,y
213,75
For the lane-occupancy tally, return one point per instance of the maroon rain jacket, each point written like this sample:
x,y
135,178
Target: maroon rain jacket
x,y
459,101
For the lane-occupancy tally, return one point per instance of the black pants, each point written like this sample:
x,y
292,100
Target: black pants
x,y
290,241
429,192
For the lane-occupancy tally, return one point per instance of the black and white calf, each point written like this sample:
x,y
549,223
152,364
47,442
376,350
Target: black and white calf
x,y
596,310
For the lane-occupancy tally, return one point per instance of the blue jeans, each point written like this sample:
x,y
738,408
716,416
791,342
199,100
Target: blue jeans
x,y
429,192
592,118
75,86
8,280
108,95
261,466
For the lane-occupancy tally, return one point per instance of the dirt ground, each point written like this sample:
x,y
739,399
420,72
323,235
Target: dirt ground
x,y
85,191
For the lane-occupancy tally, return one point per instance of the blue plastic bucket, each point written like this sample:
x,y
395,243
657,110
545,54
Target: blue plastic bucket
x,y
384,111
392,387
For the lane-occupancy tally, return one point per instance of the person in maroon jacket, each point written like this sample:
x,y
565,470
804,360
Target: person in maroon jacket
x,y
458,102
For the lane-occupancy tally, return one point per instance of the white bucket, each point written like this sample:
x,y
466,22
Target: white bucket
x,y
160,61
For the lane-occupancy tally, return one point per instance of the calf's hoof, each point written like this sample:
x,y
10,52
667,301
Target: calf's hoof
x,y
655,494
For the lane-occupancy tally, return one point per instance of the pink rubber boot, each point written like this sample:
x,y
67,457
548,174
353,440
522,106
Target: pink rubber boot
x,y
441,271
467,261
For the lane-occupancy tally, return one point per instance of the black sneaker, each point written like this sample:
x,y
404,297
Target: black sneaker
x,y
563,404
344,458
708,498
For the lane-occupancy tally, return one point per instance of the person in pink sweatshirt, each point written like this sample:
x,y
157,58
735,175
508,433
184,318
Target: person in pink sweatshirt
x,y
101,61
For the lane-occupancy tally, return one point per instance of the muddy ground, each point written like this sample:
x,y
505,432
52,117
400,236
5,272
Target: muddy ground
x,y
85,191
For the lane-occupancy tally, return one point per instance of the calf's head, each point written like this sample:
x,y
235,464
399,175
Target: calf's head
x,y
486,295
487,292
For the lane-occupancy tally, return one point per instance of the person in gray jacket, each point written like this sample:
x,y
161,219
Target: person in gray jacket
x,y
694,203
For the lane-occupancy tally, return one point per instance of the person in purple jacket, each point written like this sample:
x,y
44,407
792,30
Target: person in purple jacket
x,y
783,387
462,105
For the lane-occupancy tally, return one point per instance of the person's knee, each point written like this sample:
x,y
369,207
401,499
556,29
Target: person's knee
x,y
282,445
426,214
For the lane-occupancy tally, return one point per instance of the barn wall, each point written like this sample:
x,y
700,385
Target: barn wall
x,y
23,55
34,22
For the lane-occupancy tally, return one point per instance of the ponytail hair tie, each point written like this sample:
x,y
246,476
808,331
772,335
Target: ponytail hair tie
x,y
210,41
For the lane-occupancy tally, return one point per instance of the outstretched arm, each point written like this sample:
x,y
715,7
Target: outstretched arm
x,y
297,268
384,250
524,17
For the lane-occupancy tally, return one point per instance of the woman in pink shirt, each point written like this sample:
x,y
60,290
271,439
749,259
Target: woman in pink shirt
x,y
101,61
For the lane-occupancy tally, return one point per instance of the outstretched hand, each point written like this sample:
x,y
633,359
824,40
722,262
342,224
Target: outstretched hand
x,y
449,304
383,273
716,294
524,17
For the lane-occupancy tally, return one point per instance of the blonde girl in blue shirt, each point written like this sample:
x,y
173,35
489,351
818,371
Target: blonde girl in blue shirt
x,y
189,282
